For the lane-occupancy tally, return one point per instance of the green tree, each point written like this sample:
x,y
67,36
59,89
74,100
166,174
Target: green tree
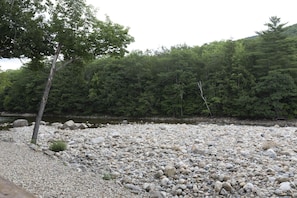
x,y
71,31
275,71
23,30
276,95
275,51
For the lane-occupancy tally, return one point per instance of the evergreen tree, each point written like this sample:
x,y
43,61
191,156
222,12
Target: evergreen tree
x,y
275,51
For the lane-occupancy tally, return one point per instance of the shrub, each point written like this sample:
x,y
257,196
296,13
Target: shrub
x,y
58,145
108,176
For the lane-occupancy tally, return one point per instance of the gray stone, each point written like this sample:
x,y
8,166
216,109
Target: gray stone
x,y
97,140
132,187
158,174
179,191
218,186
285,186
195,188
82,126
70,124
268,145
227,186
169,170
197,149
248,187
115,134
42,123
282,179
164,181
148,186
57,124
20,123
271,153
155,194
49,152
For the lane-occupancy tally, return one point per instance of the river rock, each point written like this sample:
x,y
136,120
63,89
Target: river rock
x,y
248,187
271,153
20,123
164,181
97,140
285,186
227,186
181,160
70,124
169,170
218,186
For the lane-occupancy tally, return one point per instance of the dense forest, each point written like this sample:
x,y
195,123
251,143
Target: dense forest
x,y
251,78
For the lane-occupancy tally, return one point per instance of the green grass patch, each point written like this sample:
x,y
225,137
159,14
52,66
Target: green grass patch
x,y
58,146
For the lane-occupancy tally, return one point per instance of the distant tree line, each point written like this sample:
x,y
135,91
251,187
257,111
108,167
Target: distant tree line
x,y
249,78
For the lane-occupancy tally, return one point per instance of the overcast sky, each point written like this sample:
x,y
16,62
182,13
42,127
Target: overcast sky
x,y
157,23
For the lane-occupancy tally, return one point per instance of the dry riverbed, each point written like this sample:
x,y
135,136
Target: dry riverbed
x,y
154,160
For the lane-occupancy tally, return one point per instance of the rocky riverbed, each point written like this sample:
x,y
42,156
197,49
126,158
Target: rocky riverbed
x,y
178,160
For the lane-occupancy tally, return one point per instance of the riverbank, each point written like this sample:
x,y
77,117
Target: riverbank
x,y
6,117
163,160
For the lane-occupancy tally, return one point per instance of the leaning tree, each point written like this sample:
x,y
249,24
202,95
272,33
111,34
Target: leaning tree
x,y
65,30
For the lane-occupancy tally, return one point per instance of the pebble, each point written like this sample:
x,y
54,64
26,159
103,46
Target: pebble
x,y
181,160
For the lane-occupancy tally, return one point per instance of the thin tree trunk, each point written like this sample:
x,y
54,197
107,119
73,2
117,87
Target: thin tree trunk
x,y
202,96
45,96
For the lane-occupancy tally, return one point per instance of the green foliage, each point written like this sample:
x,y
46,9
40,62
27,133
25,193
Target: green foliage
x,y
23,30
35,29
108,176
58,146
252,78
278,90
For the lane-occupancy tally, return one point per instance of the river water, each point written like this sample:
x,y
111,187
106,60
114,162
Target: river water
x,y
95,120
116,120
10,119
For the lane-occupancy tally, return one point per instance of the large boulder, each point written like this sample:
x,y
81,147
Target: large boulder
x,y
20,123
70,124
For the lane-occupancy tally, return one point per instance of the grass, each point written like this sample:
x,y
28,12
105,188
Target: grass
x,y
58,145
108,176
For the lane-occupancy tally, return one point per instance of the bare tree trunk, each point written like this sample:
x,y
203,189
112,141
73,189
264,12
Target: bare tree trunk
x,y
181,104
202,96
45,96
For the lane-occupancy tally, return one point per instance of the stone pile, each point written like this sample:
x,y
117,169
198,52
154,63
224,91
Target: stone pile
x,y
180,160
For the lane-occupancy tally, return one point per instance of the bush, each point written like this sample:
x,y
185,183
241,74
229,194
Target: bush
x,y
58,145
108,176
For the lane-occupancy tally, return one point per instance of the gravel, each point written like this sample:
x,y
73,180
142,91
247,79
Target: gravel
x,y
47,177
154,160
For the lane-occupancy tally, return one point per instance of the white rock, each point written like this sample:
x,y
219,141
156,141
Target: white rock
x,y
271,153
20,123
164,181
218,186
248,187
169,170
285,186
97,140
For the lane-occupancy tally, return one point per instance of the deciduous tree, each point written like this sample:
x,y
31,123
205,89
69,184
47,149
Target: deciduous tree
x,y
65,29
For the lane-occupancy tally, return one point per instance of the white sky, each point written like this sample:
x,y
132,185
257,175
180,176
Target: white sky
x,y
157,23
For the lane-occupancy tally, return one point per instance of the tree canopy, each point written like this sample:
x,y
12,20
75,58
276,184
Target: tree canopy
x,y
248,78
64,29
34,29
